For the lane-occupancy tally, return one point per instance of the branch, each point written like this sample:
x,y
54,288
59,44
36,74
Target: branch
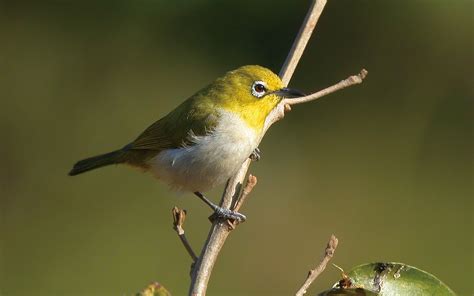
x,y
351,80
179,216
220,229
251,182
216,238
314,273
285,105
301,40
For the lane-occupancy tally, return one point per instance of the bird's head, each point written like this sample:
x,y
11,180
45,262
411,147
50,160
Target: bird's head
x,y
251,92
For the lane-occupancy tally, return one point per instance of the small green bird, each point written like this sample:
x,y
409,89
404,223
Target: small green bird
x,y
205,140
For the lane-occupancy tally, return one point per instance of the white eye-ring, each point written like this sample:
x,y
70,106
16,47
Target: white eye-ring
x,y
259,88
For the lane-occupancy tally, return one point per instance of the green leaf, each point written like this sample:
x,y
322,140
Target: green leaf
x,y
387,279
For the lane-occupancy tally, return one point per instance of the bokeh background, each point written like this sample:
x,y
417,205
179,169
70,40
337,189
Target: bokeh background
x,y
386,166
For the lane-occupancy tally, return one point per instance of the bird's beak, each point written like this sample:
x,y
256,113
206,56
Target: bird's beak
x,y
288,93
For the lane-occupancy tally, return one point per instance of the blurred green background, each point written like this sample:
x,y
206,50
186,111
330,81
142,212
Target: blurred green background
x,y
386,166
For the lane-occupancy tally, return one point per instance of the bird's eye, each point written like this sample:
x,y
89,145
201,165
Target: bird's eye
x,y
258,89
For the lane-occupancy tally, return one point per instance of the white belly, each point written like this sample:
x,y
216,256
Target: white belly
x,y
212,160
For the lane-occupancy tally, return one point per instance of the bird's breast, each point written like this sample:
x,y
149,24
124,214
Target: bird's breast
x,y
211,159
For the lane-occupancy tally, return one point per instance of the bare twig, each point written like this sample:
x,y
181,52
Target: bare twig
x,y
306,29
314,273
220,229
217,236
354,79
251,182
285,105
179,216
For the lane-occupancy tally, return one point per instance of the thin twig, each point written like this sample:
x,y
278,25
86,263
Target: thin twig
x,y
179,216
220,230
351,80
285,105
314,273
217,236
251,182
301,40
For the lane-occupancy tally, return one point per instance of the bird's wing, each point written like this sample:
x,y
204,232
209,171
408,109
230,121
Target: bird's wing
x,y
177,128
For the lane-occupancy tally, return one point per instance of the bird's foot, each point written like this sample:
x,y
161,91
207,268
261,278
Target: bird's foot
x,y
226,214
255,156
221,213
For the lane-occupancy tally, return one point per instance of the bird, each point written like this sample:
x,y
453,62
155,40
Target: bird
x,y
204,140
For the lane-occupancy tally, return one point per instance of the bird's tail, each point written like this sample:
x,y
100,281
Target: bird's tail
x,y
98,161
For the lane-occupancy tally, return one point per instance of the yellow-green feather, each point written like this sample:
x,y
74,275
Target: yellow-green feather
x,y
200,113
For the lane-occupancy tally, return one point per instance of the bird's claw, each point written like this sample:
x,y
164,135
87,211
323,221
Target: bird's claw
x,y
255,156
227,214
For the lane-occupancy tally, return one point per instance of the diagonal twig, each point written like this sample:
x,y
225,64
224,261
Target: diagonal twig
x,y
306,30
220,229
179,216
251,183
285,105
315,272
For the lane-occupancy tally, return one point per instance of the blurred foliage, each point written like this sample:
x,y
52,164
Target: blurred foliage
x,y
389,279
154,289
84,77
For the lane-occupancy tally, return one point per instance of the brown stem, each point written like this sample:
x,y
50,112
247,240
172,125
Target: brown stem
x,y
179,215
351,80
220,229
217,236
251,182
285,105
306,30
315,272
